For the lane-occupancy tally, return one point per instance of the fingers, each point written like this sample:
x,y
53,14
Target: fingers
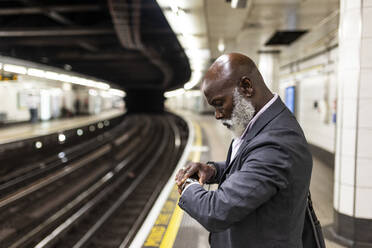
x,y
186,172
179,176
202,177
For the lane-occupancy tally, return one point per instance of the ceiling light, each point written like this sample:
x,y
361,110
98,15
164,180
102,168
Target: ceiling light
x,y
102,86
117,92
51,75
221,46
173,93
241,4
64,78
15,68
194,80
36,72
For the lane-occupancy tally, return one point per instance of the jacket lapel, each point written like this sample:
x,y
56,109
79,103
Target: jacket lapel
x,y
275,109
229,153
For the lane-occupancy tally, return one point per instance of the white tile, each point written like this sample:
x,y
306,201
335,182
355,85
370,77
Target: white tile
x,y
348,141
353,4
365,143
347,170
367,22
350,77
349,115
349,55
351,21
365,83
363,206
336,191
364,172
365,117
346,205
366,53
337,175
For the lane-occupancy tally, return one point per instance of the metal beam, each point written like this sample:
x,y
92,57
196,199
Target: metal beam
x,y
99,56
55,32
27,32
41,10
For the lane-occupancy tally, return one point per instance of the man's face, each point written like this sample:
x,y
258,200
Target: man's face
x,y
221,99
231,108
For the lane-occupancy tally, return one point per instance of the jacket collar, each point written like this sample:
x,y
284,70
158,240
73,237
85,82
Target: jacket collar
x,y
274,110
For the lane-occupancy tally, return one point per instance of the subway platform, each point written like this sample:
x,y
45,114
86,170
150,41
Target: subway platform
x,y
29,130
168,226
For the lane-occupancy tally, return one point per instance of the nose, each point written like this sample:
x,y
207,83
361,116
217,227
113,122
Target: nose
x,y
218,115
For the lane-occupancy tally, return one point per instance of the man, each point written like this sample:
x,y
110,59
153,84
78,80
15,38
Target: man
x,y
263,184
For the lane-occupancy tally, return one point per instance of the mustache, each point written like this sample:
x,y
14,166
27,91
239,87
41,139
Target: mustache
x,y
227,123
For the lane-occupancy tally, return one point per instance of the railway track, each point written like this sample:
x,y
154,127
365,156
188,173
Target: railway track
x,y
101,198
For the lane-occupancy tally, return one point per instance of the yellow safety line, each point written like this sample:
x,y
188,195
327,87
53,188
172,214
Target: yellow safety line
x,y
175,222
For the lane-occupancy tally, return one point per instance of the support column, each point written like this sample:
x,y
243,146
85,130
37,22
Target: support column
x,y
268,65
353,166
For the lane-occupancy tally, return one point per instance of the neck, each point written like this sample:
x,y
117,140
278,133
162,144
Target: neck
x,y
264,99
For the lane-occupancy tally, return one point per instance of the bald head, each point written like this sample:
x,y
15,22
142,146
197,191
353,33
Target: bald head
x,y
232,71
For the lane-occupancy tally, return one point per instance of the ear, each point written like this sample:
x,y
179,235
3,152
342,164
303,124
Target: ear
x,y
246,87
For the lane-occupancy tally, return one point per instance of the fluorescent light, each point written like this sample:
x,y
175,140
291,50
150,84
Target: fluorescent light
x,y
221,45
117,92
15,68
194,80
64,78
51,75
173,93
1,66
241,4
36,72
102,86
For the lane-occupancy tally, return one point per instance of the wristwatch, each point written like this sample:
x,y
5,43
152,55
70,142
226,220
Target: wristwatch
x,y
187,181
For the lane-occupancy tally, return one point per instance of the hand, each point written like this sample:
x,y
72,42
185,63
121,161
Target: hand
x,y
203,171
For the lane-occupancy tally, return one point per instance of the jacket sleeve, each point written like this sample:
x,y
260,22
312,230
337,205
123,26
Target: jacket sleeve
x,y
220,167
261,176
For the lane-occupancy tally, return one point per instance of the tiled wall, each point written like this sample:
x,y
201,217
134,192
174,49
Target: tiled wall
x,y
353,172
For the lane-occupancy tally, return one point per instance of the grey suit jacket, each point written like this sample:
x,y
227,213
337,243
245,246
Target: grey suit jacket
x,y
261,197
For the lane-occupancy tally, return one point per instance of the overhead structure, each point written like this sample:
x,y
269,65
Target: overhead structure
x,y
128,43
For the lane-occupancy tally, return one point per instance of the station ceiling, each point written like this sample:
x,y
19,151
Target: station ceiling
x,y
127,42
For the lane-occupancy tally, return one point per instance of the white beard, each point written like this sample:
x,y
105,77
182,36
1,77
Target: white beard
x,y
242,113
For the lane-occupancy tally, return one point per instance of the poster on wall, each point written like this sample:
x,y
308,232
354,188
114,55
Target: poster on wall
x,y
22,100
290,93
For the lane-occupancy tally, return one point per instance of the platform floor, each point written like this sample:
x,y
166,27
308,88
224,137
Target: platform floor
x,y
218,138
29,130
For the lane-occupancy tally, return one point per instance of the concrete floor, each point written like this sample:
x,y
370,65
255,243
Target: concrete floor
x,y
192,235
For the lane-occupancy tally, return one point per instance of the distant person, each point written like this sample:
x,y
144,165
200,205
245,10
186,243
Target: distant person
x,y
33,104
77,106
264,182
